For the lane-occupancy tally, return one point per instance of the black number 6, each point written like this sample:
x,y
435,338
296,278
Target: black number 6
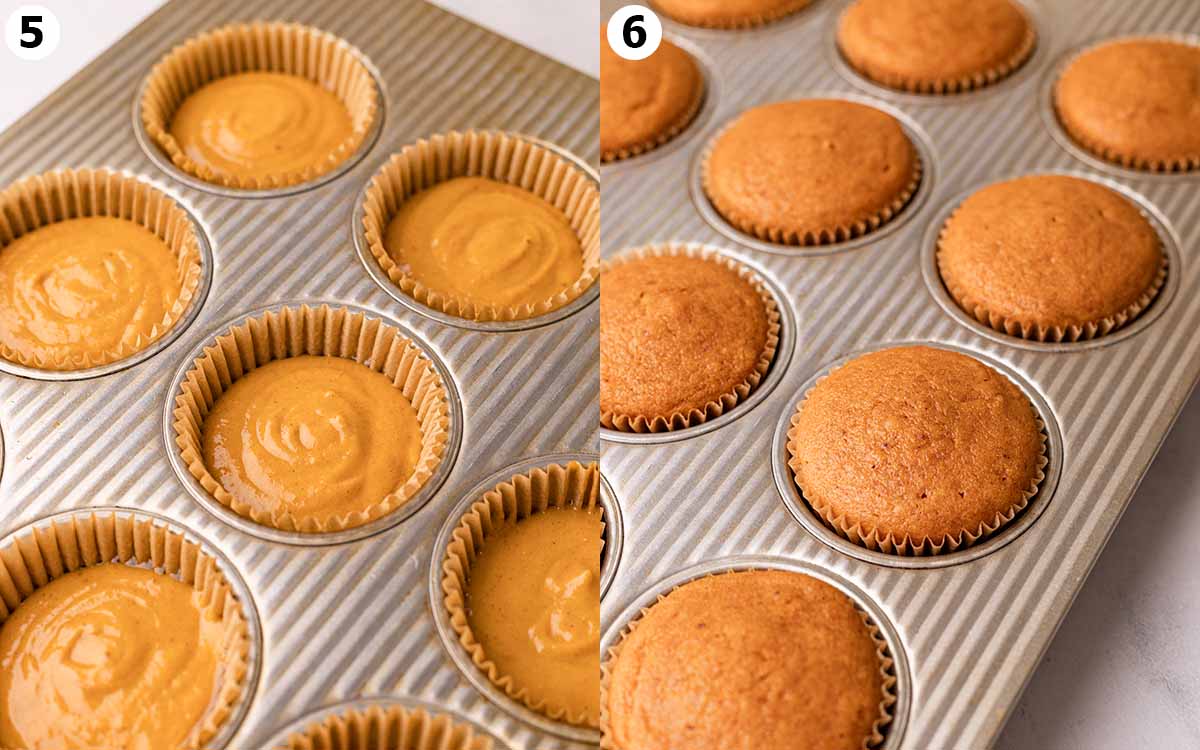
x,y
635,36
27,27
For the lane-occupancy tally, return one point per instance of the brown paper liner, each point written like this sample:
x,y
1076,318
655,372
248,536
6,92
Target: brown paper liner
x,y
52,197
1108,154
323,331
1037,332
671,131
273,47
745,22
825,235
906,546
960,84
572,485
887,671
84,538
494,155
394,727
679,420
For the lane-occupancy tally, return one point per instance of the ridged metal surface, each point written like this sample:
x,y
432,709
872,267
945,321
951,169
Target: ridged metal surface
x,y
350,620
973,632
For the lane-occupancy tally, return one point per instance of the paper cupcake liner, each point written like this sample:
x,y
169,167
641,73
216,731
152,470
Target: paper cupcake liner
x,y
1037,332
812,237
291,48
671,131
387,727
91,537
44,199
679,420
886,670
494,155
954,85
906,546
743,22
572,485
323,331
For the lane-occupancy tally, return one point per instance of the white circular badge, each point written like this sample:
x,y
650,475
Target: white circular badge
x,y
634,32
32,32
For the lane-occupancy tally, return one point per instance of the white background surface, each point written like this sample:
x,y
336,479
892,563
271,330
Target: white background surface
x,y
1123,672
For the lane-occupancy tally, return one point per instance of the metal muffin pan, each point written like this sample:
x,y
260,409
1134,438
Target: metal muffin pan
x,y
352,619
972,632
614,540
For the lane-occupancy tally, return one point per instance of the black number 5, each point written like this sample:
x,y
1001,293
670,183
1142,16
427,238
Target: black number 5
x,y
634,34
27,27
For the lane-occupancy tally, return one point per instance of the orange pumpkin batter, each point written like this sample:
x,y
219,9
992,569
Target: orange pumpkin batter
x,y
487,242
261,124
109,656
316,437
84,287
533,602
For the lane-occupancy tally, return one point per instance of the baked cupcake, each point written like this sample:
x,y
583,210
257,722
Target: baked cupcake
x,y
412,728
811,172
105,266
916,450
521,585
259,105
1051,258
312,419
484,226
728,14
645,103
685,335
763,659
136,639
935,46
1133,102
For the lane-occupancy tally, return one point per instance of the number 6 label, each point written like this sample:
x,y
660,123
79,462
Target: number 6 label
x,y
634,32
32,32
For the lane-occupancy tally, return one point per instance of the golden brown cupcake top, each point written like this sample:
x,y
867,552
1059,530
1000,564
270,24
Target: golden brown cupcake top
x,y
763,659
812,171
728,14
645,103
1135,102
935,46
680,336
916,443
1050,257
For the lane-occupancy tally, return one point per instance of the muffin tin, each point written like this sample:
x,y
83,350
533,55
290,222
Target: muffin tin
x,y
351,617
971,626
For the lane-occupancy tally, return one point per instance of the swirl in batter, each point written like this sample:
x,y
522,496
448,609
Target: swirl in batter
x,y
314,437
261,124
84,287
485,242
110,656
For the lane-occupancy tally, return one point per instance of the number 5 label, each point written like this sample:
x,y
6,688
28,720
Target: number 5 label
x,y
634,32
32,32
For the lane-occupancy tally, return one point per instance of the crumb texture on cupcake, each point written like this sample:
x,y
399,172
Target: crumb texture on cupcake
x,y
1135,102
682,338
728,14
754,660
645,103
935,46
1050,258
811,172
916,449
